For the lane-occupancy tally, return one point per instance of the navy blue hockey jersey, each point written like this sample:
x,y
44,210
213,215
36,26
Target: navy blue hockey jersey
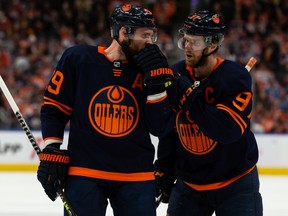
x,y
215,144
108,114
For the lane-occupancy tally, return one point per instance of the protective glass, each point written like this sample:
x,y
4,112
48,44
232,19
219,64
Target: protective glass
x,y
144,36
191,43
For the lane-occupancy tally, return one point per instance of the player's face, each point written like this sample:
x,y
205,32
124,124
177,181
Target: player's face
x,y
193,47
141,37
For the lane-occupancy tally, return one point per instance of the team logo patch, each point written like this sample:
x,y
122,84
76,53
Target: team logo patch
x,y
191,137
216,18
113,111
126,7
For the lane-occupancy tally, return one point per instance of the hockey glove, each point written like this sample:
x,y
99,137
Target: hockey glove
x,y
182,92
154,66
164,179
53,169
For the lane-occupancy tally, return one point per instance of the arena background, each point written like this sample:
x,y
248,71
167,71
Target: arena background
x,y
34,34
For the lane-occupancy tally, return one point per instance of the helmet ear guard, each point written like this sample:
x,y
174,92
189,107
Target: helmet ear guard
x,y
128,31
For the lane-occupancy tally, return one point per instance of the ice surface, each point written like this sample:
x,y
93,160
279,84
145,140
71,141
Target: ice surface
x,y
22,195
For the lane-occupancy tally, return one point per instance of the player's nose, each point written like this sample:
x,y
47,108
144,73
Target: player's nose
x,y
149,40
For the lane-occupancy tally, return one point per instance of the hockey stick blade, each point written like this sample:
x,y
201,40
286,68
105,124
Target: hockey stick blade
x,y
158,200
31,138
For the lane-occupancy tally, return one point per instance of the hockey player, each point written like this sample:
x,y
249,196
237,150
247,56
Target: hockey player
x,y
100,92
213,152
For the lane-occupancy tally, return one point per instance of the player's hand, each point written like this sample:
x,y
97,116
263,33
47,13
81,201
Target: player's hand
x,y
164,179
182,92
53,169
154,66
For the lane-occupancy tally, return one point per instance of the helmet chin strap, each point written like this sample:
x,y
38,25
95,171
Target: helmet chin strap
x,y
126,50
129,53
204,57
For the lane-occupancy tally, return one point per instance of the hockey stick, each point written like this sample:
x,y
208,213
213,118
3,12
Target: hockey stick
x,y
31,138
159,200
251,62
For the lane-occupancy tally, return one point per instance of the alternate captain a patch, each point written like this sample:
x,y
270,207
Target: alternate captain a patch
x,y
113,111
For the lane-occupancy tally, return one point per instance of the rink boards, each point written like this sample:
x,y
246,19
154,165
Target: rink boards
x,y
17,153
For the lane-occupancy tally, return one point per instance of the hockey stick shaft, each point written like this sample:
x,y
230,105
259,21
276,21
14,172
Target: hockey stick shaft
x,y
251,62
31,138
19,116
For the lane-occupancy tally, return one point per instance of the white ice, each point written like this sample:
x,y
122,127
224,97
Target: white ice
x,y
22,195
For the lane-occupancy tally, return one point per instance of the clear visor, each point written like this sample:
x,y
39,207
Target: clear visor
x,y
196,43
146,35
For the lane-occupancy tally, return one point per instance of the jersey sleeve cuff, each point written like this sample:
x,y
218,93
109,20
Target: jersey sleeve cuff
x,y
156,97
50,141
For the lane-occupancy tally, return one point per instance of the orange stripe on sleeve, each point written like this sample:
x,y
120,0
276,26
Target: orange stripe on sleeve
x,y
242,124
249,116
56,102
65,109
59,107
114,176
236,114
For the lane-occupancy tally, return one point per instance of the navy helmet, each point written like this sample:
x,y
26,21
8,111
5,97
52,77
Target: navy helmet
x,y
130,16
207,24
204,23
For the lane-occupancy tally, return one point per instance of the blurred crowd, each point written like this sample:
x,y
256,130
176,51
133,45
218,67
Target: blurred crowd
x,y
34,34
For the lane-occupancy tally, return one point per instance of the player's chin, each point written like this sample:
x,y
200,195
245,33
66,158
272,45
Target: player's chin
x,y
189,63
132,51
189,59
